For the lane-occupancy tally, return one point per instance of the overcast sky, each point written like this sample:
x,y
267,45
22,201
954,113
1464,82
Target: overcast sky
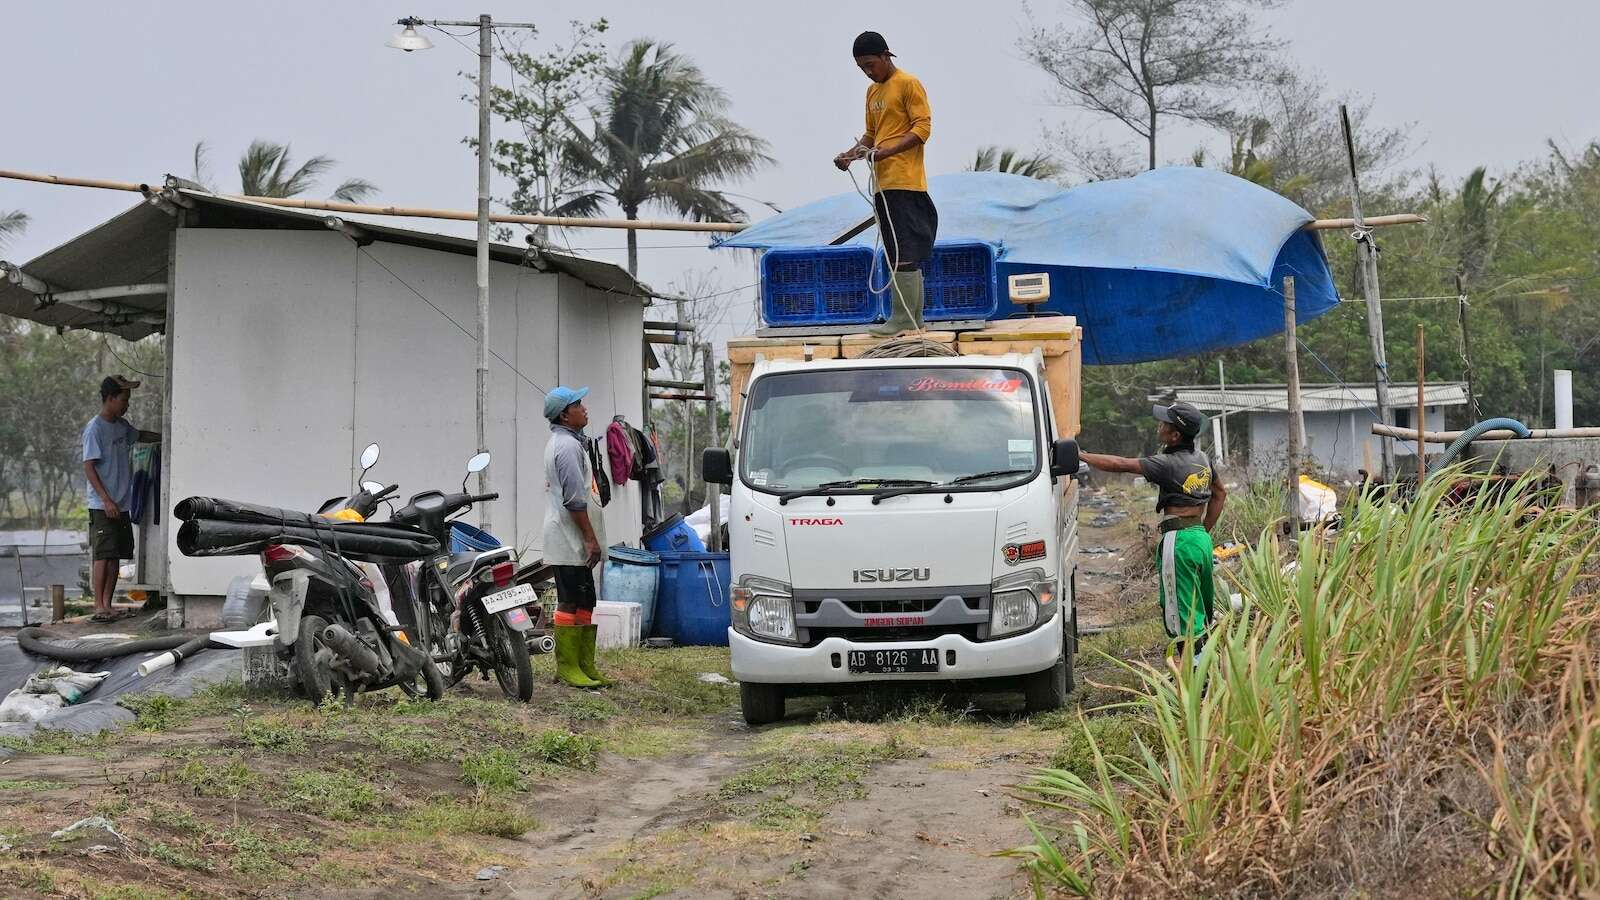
x,y
122,90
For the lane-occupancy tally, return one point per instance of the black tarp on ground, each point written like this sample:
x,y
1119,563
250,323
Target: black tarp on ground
x,y
99,710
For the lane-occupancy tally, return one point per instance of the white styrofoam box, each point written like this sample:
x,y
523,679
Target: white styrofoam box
x,y
621,624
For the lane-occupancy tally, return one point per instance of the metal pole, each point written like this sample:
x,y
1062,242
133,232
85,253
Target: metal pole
x,y
1222,381
1422,409
1369,286
485,59
1292,365
713,492
1466,349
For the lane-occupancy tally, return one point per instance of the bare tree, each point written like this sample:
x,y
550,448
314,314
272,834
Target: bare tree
x,y
1306,143
1135,61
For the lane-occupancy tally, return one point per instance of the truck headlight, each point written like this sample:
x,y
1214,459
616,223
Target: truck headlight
x,y
764,608
1020,601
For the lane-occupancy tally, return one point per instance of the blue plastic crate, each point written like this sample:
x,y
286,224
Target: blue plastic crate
x,y
819,286
959,282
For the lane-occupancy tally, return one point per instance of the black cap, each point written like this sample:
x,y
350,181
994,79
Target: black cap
x,y
1182,416
113,385
870,43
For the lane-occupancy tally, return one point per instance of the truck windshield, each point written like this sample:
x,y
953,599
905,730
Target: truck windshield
x,y
934,424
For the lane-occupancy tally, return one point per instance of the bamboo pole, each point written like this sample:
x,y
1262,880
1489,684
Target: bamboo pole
x,y
1422,408
462,215
1292,365
1499,434
1366,253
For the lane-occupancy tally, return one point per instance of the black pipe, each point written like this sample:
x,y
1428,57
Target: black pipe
x,y
36,640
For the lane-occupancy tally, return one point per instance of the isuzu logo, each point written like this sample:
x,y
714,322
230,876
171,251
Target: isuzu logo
x,y
873,576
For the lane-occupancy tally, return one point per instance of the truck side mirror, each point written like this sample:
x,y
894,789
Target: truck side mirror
x,y
716,466
1064,457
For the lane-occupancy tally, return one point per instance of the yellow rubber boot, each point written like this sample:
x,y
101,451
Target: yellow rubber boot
x,y
591,634
569,652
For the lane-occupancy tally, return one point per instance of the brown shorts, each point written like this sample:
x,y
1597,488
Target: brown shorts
x,y
110,538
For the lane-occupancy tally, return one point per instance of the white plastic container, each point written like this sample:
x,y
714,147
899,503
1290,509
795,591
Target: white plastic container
x,y
621,624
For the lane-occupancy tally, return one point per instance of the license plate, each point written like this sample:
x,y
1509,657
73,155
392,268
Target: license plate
x,y
893,662
503,600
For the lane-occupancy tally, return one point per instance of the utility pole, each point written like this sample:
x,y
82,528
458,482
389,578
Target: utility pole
x,y
1466,349
713,492
1222,382
408,40
1292,366
1367,255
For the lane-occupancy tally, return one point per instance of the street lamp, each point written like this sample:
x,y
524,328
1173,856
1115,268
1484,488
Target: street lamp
x,y
408,40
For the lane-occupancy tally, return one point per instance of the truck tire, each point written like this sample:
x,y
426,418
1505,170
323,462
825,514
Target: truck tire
x,y
762,704
1047,691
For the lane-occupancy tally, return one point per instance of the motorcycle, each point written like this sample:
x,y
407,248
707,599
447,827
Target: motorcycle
x,y
336,619
476,618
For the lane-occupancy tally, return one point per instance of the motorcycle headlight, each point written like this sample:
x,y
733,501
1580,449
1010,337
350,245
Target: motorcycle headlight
x,y
1020,601
764,608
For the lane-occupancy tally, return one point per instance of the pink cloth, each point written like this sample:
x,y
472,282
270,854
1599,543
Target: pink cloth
x,y
619,452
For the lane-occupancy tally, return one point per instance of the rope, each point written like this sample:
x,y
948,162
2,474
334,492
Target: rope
x,y
900,348
871,157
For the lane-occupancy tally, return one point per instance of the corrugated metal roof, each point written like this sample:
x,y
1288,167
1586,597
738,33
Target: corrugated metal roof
x,y
132,249
1313,397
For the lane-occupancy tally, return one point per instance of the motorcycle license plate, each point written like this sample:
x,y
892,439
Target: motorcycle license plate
x,y
893,662
504,600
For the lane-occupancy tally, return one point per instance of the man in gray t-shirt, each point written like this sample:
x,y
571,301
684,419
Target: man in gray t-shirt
x,y
108,439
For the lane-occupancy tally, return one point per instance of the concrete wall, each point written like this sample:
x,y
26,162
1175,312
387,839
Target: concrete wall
x,y
292,350
1340,442
1576,461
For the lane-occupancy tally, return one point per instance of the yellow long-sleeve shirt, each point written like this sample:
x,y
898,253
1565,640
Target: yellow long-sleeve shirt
x,y
894,108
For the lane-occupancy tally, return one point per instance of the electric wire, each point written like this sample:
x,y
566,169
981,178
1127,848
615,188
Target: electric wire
x,y
534,384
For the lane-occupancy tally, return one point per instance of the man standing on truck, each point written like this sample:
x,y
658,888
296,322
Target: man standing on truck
x,y
574,535
1191,496
899,122
108,440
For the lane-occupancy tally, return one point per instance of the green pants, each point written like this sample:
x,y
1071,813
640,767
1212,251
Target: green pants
x,y
1183,570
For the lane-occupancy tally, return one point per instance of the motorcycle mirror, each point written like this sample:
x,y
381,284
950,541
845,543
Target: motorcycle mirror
x,y
478,462
369,457
372,487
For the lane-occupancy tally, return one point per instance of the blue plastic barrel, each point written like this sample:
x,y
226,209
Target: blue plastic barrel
x,y
675,535
465,538
633,576
692,606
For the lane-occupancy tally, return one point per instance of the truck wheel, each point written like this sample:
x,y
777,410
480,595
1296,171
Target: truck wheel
x,y
761,703
1047,691
1070,652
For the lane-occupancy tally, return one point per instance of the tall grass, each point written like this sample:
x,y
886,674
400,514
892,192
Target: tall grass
x,y
1414,703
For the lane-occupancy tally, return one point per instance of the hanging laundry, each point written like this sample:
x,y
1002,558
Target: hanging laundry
x,y
619,450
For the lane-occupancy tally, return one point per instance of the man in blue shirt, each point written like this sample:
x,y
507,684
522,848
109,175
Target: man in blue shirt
x,y
107,441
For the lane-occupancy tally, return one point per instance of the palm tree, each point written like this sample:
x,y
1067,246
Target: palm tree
x,y
660,139
1479,203
12,223
265,170
996,159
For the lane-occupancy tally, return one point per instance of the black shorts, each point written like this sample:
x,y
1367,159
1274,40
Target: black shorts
x,y
110,538
909,222
574,588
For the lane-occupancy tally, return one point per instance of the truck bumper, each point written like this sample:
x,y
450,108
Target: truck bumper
x,y
762,663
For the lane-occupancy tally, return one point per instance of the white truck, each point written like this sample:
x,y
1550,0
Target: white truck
x,y
903,519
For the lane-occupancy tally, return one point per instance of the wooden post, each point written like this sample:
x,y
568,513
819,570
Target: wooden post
x,y
1422,409
1466,349
713,491
1222,382
58,602
1292,366
1369,286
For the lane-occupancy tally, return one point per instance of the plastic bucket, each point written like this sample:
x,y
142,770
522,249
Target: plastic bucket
x,y
673,535
692,606
633,576
465,538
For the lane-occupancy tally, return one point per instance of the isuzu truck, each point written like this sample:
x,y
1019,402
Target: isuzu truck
x,y
903,518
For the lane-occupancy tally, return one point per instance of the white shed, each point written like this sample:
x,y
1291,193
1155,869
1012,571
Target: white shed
x,y
1338,420
293,340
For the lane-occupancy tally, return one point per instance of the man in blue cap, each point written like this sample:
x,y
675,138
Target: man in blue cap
x,y
574,535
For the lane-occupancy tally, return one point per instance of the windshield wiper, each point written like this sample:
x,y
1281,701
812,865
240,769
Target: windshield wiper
x,y
977,476
850,483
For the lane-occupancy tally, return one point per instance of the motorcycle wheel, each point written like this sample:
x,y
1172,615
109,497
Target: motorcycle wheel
x,y
429,683
512,666
455,668
317,680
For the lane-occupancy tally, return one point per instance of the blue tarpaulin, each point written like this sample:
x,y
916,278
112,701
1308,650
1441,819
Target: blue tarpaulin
x,y
1169,263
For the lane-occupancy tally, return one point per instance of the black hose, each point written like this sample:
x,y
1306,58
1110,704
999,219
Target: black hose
x,y
37,641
